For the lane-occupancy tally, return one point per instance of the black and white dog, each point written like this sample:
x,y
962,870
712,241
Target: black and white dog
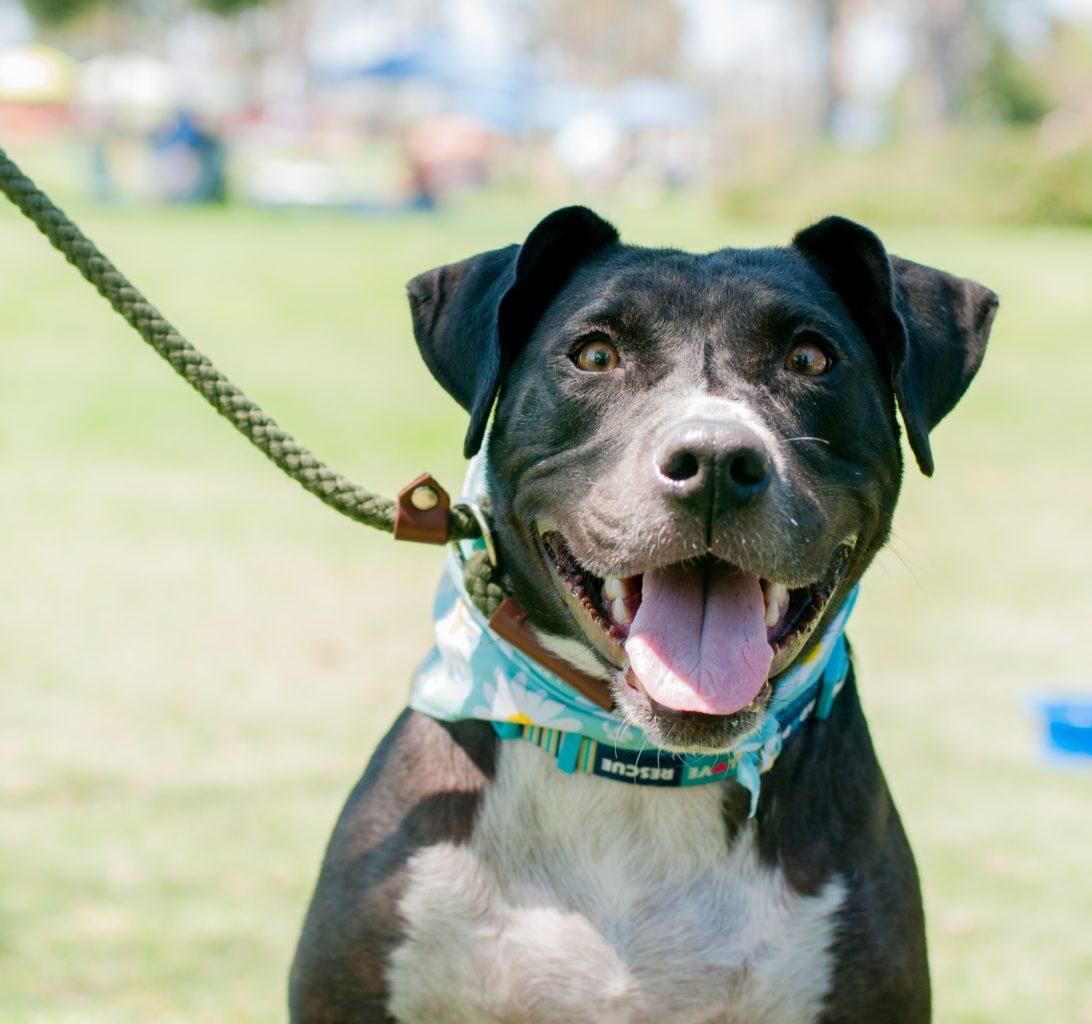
x,y
683,445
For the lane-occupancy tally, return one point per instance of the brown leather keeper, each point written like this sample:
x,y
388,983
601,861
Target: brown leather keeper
x,y
423,525
510,623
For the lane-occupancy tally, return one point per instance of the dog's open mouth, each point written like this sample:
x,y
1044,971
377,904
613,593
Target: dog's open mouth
x,y
700,636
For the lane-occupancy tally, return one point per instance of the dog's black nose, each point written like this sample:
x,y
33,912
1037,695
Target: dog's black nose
x,y
703,461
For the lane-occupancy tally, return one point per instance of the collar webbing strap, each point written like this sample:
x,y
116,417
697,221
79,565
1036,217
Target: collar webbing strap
x,y
651,767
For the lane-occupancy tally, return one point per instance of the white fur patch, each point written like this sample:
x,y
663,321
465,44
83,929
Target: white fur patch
x,y
580,899
575,652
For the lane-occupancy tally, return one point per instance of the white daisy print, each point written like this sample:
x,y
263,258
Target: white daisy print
x,y
509,700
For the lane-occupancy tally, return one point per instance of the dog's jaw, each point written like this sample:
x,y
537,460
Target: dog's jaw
x,y
602,612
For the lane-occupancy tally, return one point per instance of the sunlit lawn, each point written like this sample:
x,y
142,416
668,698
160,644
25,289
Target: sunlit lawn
x,y
197,657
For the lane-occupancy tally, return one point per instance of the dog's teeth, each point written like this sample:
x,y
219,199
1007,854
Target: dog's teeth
x,y
620,612
777,599
614,588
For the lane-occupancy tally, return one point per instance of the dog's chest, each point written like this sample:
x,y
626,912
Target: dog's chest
x,y
581,899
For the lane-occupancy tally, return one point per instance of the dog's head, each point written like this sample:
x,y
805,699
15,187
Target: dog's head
x,y
694,457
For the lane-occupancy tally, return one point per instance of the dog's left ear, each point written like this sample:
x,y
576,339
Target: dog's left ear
x,y
471,318
928,328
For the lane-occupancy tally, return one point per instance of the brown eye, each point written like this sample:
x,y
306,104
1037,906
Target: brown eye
x,y
808,358
597,356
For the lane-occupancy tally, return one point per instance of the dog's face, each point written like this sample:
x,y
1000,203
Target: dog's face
x,y
694,457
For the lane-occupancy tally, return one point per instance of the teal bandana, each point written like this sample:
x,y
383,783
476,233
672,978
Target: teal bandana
x,y
473,673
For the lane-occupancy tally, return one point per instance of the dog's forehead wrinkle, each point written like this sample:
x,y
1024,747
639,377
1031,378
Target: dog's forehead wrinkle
x,y
722,316
648,282
634,281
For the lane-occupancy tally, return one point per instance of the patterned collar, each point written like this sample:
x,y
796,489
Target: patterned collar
x,y
473,673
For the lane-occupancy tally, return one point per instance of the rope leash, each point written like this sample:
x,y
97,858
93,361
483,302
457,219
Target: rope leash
x,y
422,501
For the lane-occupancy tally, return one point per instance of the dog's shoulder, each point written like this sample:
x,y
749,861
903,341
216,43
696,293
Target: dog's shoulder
x,y
422,787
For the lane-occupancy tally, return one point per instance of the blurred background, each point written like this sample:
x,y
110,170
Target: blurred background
x,y
975,110
197,658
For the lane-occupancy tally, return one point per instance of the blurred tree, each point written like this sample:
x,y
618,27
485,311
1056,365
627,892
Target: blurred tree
x,y
1006,85
834,20
608,41
50,13
971,66
47,13
944,32
226,8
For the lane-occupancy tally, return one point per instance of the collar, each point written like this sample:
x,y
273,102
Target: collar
x,y
473,672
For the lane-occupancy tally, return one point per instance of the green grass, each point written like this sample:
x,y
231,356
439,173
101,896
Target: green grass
x,y
197,657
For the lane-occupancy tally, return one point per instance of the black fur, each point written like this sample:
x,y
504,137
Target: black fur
x,y
471,318
929,327
584,452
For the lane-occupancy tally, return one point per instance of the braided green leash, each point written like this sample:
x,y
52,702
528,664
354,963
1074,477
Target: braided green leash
x,y
249,419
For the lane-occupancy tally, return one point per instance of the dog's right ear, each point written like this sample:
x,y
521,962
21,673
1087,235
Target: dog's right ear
x,y
471,318
929,328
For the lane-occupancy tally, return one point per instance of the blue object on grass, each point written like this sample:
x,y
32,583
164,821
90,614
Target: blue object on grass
x,y
1067,725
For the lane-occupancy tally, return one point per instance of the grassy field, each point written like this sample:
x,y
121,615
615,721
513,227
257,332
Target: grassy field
x,y
197,657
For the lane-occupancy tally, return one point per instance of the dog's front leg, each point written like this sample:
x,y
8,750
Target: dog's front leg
x,y
422,787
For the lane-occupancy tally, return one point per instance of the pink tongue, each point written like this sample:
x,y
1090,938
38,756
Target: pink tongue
x,y
698,640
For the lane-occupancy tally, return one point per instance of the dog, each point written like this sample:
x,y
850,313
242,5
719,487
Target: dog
x,y
692,460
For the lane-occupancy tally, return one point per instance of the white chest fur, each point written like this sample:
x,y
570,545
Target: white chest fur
x,y
580,899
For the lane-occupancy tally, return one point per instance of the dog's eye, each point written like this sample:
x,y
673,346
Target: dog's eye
x,y
597,355
809,358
